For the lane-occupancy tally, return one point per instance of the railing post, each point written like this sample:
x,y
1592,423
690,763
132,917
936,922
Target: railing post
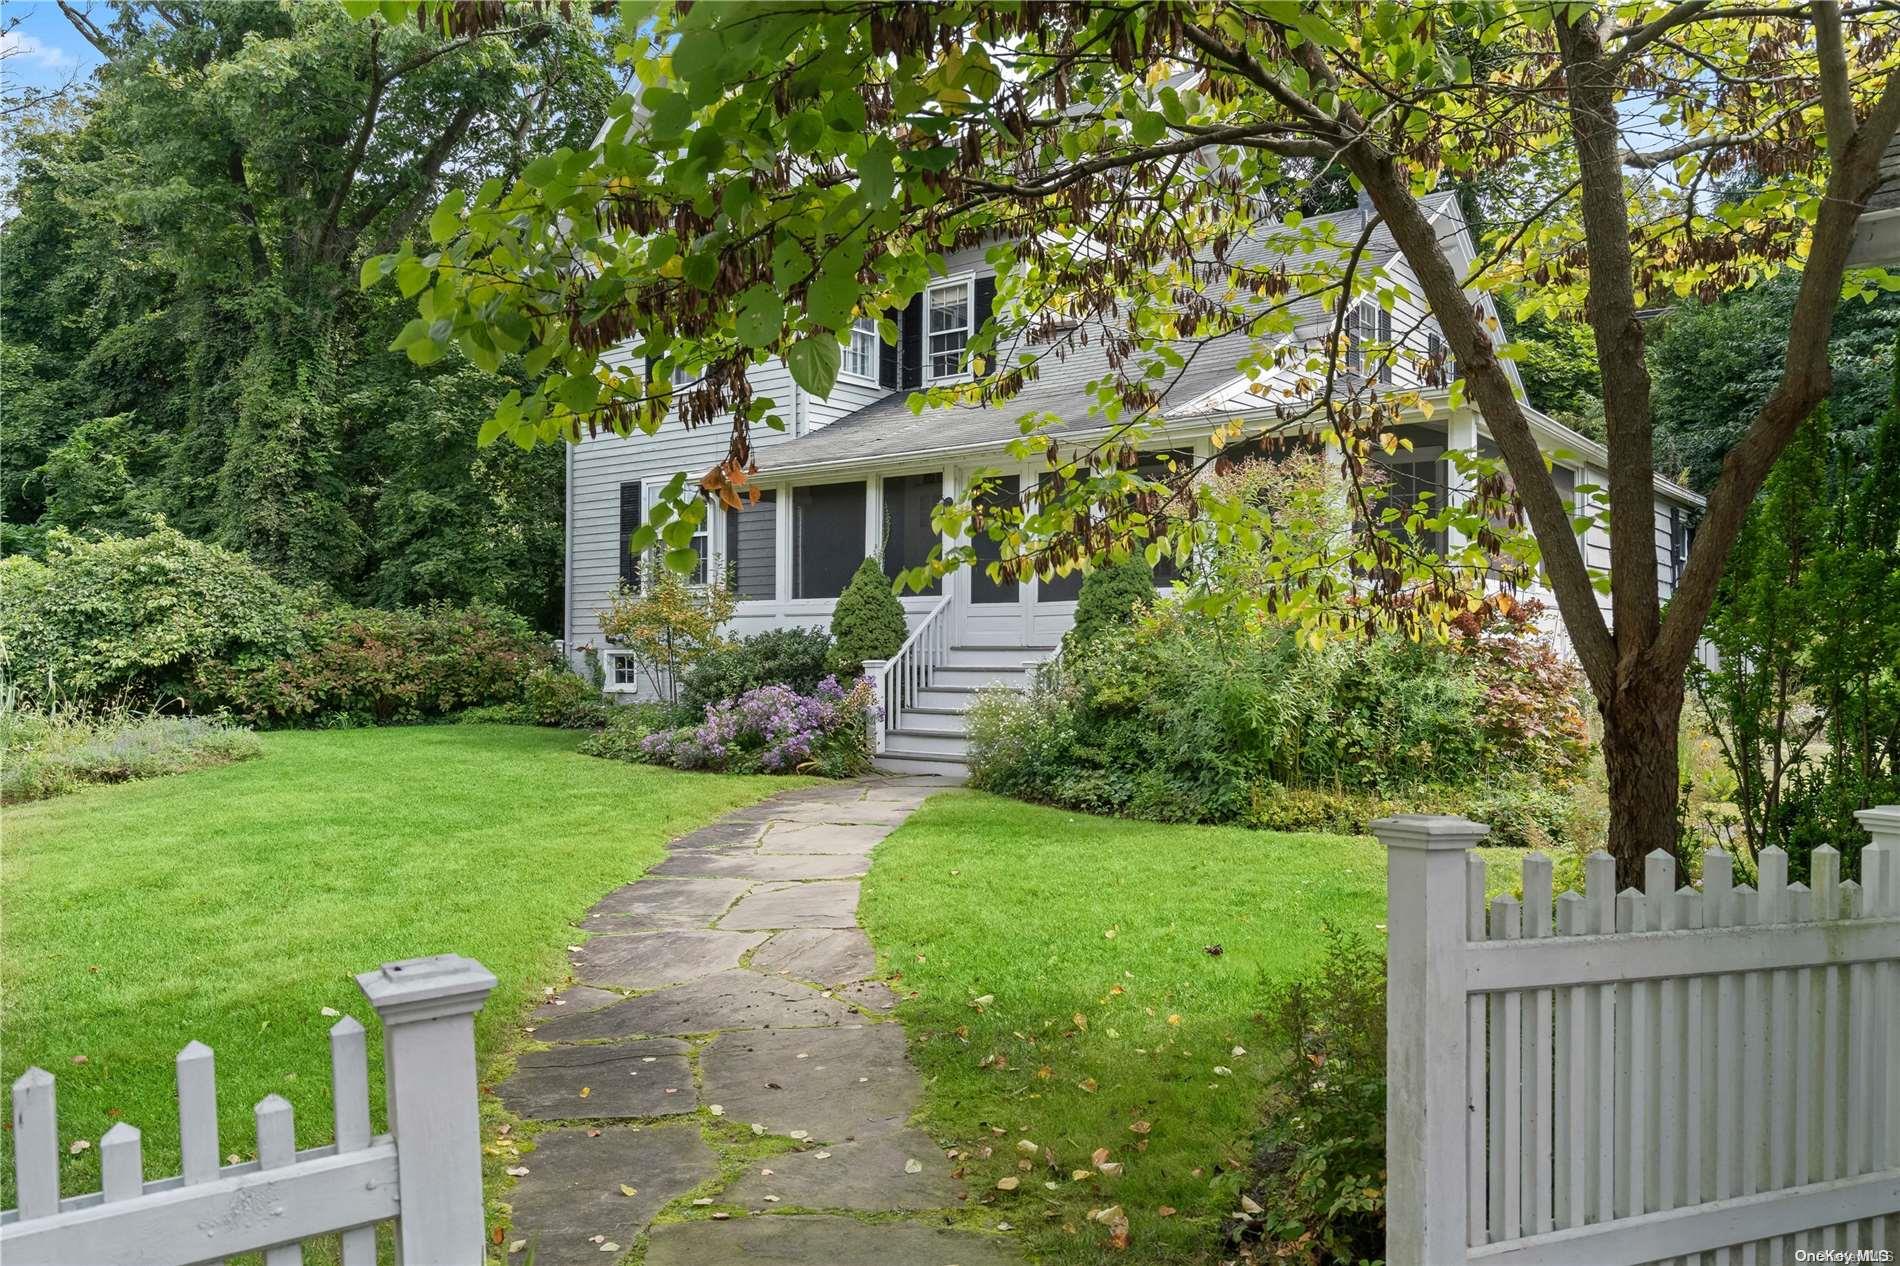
x,y
428,1006
874,671
1427,1091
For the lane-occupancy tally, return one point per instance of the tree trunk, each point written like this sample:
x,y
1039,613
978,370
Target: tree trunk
x,y
1640,730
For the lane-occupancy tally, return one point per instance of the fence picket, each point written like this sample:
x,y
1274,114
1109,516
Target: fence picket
x,y
1537,1020
276,1148
121,1164
1599,875
1876,872
1824,868
1718,886
1632,1051
1507,1086
1688,1126
1665,1037
1748,912
349,1097
35,1144
1570,1107
198,1115
1477,1077
1772,873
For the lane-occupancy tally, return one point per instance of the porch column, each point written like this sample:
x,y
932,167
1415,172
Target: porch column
x,y
782,540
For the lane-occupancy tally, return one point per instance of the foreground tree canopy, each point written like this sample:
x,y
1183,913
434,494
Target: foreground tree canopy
x,y
790,166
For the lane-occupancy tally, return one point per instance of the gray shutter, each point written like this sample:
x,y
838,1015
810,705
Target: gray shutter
x,y
1352,337
630,508
887,358
910,344
985,289
1385,337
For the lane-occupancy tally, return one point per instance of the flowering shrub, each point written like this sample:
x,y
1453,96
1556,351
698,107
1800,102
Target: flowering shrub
x,y
775,730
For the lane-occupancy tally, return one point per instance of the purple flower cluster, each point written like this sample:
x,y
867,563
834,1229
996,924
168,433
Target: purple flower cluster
x,y
773,728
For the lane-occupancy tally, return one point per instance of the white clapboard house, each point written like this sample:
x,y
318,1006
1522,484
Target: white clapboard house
x,y
857,474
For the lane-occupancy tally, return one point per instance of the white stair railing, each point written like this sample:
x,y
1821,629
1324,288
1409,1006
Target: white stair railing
x,y
896,681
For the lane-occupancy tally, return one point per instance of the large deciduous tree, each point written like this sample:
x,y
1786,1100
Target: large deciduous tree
x,y
791,165
184,333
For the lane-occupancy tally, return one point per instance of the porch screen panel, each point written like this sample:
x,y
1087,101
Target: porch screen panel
x,y
908,535
827,538
1056,588
1002,491
752,541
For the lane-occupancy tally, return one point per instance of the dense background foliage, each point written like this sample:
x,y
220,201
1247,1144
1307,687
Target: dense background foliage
x,y
185,335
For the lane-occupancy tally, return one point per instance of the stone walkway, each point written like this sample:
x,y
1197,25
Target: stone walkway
x,y
734,979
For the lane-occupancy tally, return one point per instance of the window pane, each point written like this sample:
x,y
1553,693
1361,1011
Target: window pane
x,y
908,536
860,356
827,538
752,541
949,329
982,588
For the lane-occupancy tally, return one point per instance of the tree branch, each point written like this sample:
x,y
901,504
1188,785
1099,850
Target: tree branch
x,y
1837,105
88,30
1638,38
1590,88
358,147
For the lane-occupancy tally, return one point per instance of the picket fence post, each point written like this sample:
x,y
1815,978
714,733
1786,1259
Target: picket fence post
x,y
428,1006
1428,1094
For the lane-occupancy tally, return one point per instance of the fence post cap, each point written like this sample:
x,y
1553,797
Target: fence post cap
x,y
426,988
1431,831
1881,821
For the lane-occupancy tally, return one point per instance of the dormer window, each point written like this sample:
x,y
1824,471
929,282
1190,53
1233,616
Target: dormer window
x,y
861,354
949,317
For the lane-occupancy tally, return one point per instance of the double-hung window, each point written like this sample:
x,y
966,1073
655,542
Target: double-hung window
x,y
949,311
861,353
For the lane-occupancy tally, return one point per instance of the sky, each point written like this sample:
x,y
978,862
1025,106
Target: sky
x,y
41,48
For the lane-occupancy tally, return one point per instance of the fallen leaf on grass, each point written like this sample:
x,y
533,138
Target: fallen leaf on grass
x,y
79,1145
1247,1205
1087,1085
1008,1184
628,1191
1026,1147
1165,1211
1140,1127
516,1171
1099,1157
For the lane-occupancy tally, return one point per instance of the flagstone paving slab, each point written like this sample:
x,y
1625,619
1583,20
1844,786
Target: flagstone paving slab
x,y
657,904
823,837
765,867
572,1001
834,1084
872,995
571,1191
819,1240
628,1079
867,1176
830,956
736,999
822,904
649,960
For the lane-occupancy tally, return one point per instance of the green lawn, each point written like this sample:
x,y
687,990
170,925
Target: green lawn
x,y
1106,1010
232,906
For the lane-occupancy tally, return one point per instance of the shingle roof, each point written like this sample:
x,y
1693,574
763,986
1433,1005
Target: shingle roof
x,y
888,428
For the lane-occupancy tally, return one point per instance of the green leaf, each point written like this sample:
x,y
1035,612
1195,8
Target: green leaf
x,y
683,561
447,219
697,55
643,539
761,316
814,363
669,113
875,175
375,268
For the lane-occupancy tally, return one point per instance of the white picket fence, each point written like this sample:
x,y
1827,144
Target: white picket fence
x,y
1675,1074
425,1174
